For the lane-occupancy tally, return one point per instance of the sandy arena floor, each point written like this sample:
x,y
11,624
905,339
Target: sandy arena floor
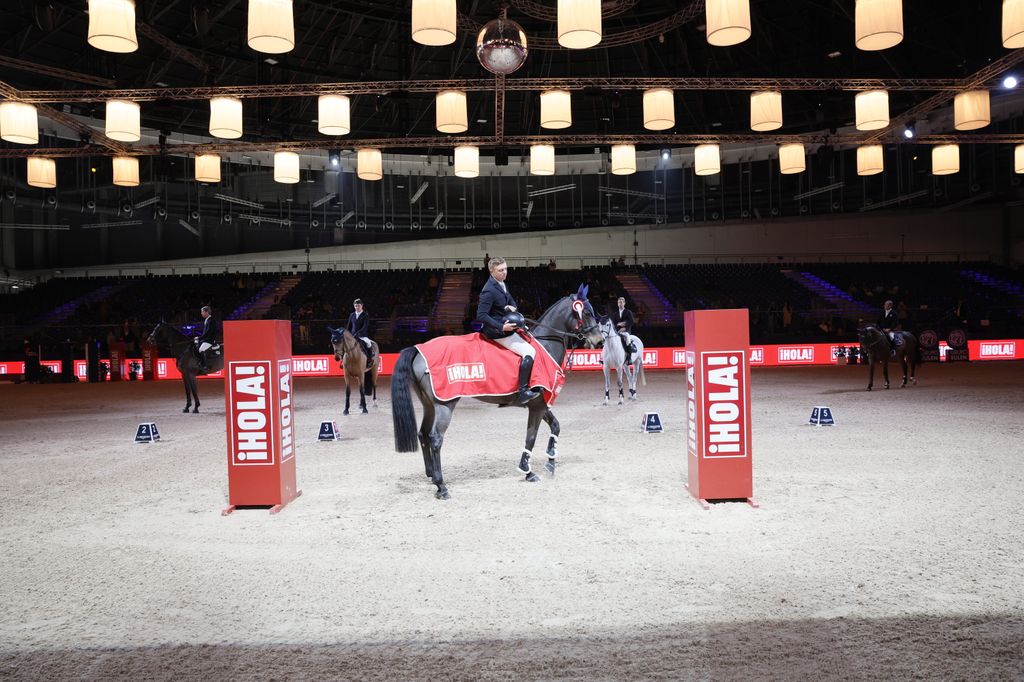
x,y
889,546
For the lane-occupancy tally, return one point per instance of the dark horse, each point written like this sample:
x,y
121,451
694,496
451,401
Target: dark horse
x,y
167,337
350,352
570,319
876,347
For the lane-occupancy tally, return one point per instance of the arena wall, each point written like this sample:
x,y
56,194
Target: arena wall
x,y
980,233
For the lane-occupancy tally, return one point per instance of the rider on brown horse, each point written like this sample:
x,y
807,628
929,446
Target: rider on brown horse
x,y
359,326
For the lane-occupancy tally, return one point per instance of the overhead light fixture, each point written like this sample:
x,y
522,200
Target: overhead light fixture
x,y
126,171
42,172
555,109
419,192
323,200
870,159
579,23
434,22
623,159
271,61
334,158
819,190
834,54
765,110
112,25
792,159
542,159
945,159
707,159
659,109
117,223
123,120
369,164
551,190
208,168
872,109
1013,24
1010,82
271,26
728,21
334,115
450,111
467,161
501,46
19,123
878,24
286,167
909,132
1018,159
666,154
226,117
971,110
241,202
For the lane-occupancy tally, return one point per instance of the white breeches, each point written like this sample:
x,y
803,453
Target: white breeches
x,y
517,345
205,346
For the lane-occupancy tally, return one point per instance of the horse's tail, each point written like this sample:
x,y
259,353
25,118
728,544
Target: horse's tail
x,y
402,413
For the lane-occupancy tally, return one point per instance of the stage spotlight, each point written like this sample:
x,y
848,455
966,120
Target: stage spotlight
x,y
666,154
909,132
335,158
1010,82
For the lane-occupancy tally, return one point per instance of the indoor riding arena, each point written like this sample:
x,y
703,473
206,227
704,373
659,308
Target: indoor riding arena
x,y
557,340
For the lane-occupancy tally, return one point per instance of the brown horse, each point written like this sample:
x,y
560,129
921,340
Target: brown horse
x,y
352,358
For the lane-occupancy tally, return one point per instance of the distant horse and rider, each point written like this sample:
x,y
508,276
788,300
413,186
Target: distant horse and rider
x,y
190,361
571,320
614,356
360,370
877,346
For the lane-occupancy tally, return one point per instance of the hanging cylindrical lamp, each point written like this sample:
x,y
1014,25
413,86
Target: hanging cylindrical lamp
x,y
870,159
971,110
878,24
334,115
765,110
42,172
555,109
123,120
706,159
579,23
434,22
19,123
112,25
208,168
945,159
369,164
1013,24
623,159
226,117
271,26
126,171
728,21
872,107
792,159
542,159
659,109
451,113
286,167
1018,159
467,161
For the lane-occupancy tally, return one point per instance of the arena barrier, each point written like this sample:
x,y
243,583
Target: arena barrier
x,y
778,355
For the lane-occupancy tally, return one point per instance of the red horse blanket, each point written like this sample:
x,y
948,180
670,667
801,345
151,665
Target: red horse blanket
x,y
473,366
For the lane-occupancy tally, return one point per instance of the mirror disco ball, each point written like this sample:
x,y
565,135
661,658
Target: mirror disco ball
x,y
501,46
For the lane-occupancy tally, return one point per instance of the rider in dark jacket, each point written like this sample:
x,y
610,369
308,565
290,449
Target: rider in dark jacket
x,y
623,321
207,339
359,326
495,303
889,322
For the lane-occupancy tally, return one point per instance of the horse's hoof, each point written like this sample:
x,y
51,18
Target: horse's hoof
x,y
550,466
186,410
532,478
195,411
366,411
869,388
442,495
345,413
887,387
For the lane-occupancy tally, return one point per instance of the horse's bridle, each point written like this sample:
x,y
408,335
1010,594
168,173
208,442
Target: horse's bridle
x,y
562,336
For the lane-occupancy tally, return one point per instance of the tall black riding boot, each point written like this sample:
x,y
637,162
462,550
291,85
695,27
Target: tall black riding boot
x,y
625,344
526,394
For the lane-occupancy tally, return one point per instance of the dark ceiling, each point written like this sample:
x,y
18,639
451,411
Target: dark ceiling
x,y
370,41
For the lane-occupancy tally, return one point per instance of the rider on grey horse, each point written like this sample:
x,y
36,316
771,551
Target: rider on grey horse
x,y
623,321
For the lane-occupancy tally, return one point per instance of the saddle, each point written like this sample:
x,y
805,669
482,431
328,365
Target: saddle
x,y
473,366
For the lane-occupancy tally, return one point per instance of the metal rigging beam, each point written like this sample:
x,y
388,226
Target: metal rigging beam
x,y
950,85
63,74
521,141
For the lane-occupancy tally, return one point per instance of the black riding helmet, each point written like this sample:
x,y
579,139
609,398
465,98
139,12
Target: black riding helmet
x,y
515,318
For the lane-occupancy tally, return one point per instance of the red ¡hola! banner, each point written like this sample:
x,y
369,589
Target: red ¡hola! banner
x,y
778,355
